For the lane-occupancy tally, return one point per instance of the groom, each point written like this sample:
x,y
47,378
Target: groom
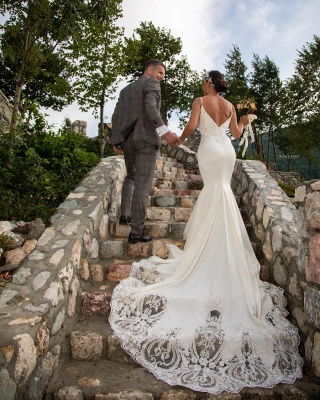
x,y
137,128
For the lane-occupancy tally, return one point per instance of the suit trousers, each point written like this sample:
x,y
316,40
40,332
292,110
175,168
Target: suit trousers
x,y
140,158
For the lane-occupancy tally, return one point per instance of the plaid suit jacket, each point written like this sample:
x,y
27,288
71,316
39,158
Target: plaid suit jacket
x,y
138,110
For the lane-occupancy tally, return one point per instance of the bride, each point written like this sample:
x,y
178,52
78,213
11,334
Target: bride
x,y
202,318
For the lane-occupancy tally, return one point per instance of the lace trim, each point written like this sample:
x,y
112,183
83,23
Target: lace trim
x,y
208,364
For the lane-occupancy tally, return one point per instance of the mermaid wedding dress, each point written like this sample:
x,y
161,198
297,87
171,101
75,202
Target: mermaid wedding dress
x,y
202,318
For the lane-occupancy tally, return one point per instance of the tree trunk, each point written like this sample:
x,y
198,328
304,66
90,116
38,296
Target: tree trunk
x,y
268,148
274,148
102,134
19,82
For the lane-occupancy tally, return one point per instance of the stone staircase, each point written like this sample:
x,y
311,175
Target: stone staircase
x,y
98,368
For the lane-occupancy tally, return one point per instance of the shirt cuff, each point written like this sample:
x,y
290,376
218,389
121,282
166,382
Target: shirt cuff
x,y
162,130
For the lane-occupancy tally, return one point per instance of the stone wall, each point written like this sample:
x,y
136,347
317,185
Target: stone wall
x,y
307,201
5,112
40,307
275,232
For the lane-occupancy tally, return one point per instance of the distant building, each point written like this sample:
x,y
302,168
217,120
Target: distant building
x,y
79,127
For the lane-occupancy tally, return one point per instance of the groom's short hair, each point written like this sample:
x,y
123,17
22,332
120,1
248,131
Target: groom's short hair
x,y
153,63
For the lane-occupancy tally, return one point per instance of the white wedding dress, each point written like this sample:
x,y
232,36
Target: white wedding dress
x,y
202,318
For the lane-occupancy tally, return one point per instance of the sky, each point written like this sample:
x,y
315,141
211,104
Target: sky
x,y
210,28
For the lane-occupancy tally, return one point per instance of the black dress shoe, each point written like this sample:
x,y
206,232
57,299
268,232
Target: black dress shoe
x,y
124,220
139,238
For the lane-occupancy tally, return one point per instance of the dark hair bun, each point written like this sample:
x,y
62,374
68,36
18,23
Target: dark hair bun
x,y
217,80
220,85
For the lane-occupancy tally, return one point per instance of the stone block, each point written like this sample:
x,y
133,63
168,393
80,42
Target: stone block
x,y
139,250
157,230
95,303
40,379
231,396
104,226
312,306
97,272
117,272
7,386
122,230
160,249
182,394
300,194
177,229
182,214
178,185
313,262
84,269
188,201
158,214
112,248
125,395
164,201
69,393
26,359
316,355
313,210
86,345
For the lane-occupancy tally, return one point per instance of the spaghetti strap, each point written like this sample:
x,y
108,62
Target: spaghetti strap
x,y
201,101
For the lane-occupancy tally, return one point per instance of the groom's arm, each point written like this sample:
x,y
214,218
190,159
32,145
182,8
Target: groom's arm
x,y
152,99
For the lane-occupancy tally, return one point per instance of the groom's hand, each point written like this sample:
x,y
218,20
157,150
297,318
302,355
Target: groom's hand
x,y
171,138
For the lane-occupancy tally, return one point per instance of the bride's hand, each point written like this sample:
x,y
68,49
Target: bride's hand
x,y
245,120
179,141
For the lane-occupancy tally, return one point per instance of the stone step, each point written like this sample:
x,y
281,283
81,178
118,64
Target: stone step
x,y
120,248
172,201
99,369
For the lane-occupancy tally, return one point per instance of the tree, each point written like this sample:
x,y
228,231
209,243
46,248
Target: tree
x,y
266,87
99,52
300,111
236,76
180,85
40,28
302,91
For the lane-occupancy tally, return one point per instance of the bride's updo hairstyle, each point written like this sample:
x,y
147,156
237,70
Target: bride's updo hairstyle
x,y
216,79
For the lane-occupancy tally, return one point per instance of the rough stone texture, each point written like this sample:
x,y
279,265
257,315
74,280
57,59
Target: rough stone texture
x,y
43,374
117,272
316,355
7,386
313,210
74,287
313,263
97,272
139,250
26,359
312,306
95,303
182,394
69,393
42,339
86,345
111,248
125,395
58,322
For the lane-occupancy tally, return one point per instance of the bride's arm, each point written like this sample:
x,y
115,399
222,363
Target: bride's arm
x,y
193,121
237,128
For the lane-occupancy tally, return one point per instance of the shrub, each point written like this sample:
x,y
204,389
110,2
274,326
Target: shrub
x,y
39,168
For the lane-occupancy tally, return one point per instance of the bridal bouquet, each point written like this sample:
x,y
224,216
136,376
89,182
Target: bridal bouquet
x,y
247,107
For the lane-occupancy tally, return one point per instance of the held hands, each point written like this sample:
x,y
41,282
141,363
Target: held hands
x,y
117,150
171,138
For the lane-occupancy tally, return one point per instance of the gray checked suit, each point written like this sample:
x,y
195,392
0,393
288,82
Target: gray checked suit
x,y
137,115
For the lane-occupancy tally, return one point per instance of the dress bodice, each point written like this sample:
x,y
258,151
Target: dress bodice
x,y
208,127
